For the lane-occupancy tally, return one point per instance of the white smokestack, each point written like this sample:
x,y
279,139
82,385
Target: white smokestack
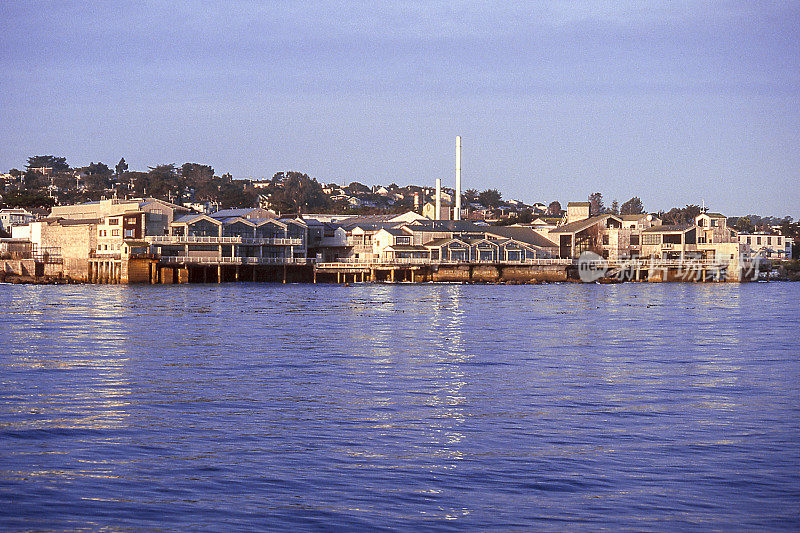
x,y
438,214
457,214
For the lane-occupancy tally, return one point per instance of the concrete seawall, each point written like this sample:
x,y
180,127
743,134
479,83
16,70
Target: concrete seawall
x,y
500,273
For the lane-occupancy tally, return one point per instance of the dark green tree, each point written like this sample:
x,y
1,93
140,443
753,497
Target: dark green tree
x,y
58,164
121,168
633,206
490,198
296,192
98,176
160,182
471,195
596,206
28,199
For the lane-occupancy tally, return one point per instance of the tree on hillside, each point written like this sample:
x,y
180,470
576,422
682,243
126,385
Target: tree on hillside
x,y
490,198
596,204
33,180
121,167
98,176
554,209
195,173
471,195
678,215
232,195
160,182
633,206
298,193
357,188
58,164
28,199
743,224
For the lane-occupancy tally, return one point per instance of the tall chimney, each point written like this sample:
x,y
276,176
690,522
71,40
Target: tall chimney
x,y
457,214
438,213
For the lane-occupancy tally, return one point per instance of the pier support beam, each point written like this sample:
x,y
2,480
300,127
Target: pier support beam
x,y
219,273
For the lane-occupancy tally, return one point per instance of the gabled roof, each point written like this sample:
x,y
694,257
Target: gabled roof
x,y
714,215
194,217
296,221
369,226
233,220
369,219
580,225
262,221
578,204
522,234
144,201
438,243
227,213
633,217
397,232
478,240
444,225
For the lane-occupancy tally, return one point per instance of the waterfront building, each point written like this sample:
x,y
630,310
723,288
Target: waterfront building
x,y
235,236
767,246
15,216
159,214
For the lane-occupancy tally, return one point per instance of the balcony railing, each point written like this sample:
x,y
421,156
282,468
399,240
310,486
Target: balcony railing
x,y
372,263
194,239
211,260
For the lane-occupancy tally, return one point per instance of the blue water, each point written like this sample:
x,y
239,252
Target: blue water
x,y
400,407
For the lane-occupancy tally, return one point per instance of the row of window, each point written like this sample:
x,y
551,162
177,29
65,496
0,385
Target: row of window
x,y
104,233
768,241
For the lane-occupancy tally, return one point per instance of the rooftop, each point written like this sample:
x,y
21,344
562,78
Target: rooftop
x,y
669,228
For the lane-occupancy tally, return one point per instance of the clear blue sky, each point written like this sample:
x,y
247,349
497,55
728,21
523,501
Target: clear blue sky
x,y
674,102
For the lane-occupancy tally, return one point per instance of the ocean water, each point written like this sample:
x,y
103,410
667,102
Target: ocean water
x,y
641,407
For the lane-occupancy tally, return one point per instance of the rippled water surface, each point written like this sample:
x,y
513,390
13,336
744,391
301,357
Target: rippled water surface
x,y
400,407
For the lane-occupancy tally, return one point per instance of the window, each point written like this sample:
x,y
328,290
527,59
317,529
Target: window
x,y
651,238
779,241
634,240
129,234
749,240
758,241
769,241
713,223
115,233
605,240
113,221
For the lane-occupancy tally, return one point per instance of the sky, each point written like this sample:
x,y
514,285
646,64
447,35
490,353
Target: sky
x,y
675,102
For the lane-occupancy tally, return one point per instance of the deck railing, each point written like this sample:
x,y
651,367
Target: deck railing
x,y
210,260
193,239
373,263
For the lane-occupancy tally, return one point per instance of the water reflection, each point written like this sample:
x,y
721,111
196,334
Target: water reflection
x,y
378,406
